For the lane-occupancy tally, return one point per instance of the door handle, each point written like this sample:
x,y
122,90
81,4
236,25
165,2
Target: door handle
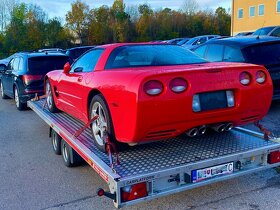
x,y
80,79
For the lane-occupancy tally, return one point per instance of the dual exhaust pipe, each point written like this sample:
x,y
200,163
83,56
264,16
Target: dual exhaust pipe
x,y
198,131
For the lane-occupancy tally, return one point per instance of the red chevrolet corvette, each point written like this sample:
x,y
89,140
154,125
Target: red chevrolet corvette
x,y
145,92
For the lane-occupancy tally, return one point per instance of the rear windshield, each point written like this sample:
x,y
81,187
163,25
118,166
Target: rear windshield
x,y
44,64
265,54
151,55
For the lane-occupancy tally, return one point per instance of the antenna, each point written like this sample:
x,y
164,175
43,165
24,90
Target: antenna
x,y
258,37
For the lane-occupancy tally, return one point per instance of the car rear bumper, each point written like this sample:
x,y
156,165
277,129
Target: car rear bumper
x,y
28,96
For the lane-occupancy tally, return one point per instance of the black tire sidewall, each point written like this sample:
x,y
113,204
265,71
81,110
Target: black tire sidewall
x,y
68,161
21,106
53,108
56,150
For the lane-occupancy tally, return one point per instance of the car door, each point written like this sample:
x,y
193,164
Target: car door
x,y
72,86
10,76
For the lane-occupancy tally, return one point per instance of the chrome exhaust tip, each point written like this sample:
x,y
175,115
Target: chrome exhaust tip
x,y
228,127
192,132
202,130
219,128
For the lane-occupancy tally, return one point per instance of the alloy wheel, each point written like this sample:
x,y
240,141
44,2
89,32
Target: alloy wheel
x,y
100,125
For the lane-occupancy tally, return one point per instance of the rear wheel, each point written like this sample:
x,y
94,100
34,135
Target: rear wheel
x,y
20,106
56,142
99,107
3,96
50,100
70,157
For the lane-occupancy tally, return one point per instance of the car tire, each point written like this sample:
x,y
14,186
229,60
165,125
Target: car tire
x,y
50,100
3,95
70,157
98,106
20,106
56,142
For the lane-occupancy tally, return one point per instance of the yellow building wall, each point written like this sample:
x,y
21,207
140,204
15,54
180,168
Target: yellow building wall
x,y
246,24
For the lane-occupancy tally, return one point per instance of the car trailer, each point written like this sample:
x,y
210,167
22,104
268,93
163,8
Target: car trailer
x,y
157,169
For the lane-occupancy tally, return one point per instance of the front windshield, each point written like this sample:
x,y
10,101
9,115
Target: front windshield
x,y
151,55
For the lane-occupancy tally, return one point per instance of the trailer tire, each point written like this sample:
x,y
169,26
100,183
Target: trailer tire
x,y
56,142
70,157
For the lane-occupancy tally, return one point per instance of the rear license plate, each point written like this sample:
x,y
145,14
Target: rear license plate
x,y
207,173
213,100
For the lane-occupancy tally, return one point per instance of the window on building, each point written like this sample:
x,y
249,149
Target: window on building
x,y
278,6
252,11
240,13
261,9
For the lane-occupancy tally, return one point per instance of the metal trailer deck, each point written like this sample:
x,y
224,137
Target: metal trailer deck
x,y
168,166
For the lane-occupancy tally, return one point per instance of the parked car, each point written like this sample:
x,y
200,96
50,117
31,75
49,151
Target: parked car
x,y
183,41
269,31
76,52
263,50
244,33
147,92
24,75
198,40
174,41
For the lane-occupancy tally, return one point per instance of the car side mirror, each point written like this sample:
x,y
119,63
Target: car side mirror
x,y
67,68
3,68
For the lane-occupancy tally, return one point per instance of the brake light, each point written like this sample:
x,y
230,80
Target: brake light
x,y
178,85
133,192
27,79
245,78
260,77
274,157
153,87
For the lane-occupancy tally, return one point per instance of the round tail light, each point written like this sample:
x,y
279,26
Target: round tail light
x,y
153,87
178,85
245,78
260,77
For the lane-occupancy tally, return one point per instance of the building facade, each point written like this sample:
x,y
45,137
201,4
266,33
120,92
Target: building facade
x,y
249,15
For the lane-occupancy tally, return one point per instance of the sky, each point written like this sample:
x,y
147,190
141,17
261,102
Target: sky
x,y
59,8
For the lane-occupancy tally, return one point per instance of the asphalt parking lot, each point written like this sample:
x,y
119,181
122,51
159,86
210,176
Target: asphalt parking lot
x,y
33,177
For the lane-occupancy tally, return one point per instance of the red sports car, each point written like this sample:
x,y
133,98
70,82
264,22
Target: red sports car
x,y
145,92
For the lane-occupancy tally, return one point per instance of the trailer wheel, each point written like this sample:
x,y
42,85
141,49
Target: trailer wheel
x,y
56,142
50,100
70,157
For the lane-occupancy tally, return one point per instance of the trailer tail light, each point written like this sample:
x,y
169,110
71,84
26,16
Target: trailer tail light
x,y
27,79
260,77
153,87
178,85
245,78
133,192
274,157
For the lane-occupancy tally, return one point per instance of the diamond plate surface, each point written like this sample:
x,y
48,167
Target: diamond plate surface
x,y
164,154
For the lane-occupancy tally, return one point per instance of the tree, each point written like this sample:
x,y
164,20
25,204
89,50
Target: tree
x,y
120,21
77,20
6,7
223,21
190,7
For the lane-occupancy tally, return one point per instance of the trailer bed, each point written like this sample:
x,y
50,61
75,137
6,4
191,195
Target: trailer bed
x,y
154,161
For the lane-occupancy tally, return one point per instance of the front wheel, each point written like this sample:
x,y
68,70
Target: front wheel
x,y
50,100
99,107
3,95
20,106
